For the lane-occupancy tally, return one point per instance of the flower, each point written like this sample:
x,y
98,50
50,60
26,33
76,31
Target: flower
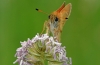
x,y
39,49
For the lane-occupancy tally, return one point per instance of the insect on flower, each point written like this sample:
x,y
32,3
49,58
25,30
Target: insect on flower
x,y
57,20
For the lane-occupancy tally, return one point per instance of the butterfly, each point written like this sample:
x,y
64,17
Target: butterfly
x,y
56,20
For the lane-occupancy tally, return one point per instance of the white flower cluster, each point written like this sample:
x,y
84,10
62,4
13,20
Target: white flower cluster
x,y
40,48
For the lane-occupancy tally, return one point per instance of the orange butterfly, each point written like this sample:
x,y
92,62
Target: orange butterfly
x,y
57,20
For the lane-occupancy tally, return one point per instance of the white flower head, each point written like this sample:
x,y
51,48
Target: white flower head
x,y
39,48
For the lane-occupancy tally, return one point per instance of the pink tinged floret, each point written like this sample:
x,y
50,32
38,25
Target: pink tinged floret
x,y
35,38
29,42
24,44
54,53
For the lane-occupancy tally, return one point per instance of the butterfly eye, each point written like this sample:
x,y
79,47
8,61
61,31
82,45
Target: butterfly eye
x,y
66,18
56,19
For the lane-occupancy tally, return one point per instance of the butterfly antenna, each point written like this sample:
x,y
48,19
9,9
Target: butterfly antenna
x,y
41,11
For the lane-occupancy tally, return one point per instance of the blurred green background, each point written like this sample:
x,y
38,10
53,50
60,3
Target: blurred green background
x,y
81,34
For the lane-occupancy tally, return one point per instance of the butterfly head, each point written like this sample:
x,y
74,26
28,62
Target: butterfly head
x,y
53,18
61,14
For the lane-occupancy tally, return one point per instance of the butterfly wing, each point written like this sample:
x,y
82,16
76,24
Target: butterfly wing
x,y
64,14
61,7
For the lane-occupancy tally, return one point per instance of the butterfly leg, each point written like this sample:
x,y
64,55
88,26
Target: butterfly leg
x,y
57,34
45,26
